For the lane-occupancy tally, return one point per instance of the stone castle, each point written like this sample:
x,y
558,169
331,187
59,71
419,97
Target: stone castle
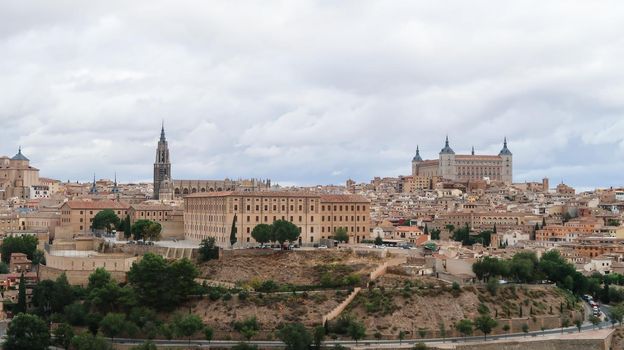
x,y
465,167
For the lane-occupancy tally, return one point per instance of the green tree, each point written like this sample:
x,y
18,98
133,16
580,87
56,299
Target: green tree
x,y
38,258
295,336
42,297
401,336
485,324
435,234
422,332
356,330
617,313
319,336
208,249
283,231
113,325
450,228
27,332
160,284
4,268
378,240
595,320
233,231
153,231
63,335
139,229
126,227
525,328
248,327
341,235
208,334
261,233
565,323
464,327
506,328
105,219
26,244
187,325
87,341
21,296
578,323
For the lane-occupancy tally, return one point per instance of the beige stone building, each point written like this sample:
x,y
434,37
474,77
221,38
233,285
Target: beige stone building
x,y
211,214
460,167
170,218
77,215
17,176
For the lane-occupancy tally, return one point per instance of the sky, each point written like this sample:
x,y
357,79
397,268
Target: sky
x,y
312,92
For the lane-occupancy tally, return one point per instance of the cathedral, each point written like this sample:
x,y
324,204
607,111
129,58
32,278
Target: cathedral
x,y
465,167
17,176
165,188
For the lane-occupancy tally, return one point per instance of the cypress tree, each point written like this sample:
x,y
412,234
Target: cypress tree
x,y
127,228
233,238
21,297
426,229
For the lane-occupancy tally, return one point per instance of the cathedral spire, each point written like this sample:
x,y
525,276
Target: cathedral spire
x,y
93,189
162,131
417,157
472,150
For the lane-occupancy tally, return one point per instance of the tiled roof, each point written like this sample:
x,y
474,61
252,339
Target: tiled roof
x,y
253,194
104,204
343,198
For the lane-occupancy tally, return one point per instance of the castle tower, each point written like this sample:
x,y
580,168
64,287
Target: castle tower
x,y
507,170
416,162
162,165
446,167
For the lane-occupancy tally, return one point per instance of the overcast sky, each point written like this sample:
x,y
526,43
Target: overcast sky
x,y
312,92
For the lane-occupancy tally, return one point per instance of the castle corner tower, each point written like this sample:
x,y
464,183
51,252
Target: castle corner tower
x,y
507,168
162,165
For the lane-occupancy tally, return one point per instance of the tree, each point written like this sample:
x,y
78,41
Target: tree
x,y
295,336
208,249
464,327
26,244
401,336
208,334
87,341
126,227
422,332
27,332
153,231
4,268
63,335
378,240
160,284
435,234
261,233
356,330
139,229
525,328
506,328
485,324
565,323
578,323
450,228
283,231
319,336
187,325
595,320
105,219
38,258
233,238
617,313
426,230
248,327
341,235
113,324
21,296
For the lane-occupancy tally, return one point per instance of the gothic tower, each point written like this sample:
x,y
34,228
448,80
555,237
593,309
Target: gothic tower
x,y
162,166
416,162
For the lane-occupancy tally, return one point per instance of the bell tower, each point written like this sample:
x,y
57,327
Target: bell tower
x,y
162,165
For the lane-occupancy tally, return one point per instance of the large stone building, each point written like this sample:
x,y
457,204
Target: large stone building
x,y
167,189
17,177
211,214
465,167
77,215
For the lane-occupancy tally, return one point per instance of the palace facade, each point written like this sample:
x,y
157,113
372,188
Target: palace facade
x,y
465,167
211,214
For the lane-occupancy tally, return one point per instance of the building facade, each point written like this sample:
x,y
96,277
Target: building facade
x,y
17,176
165,188
211,214
77,215
460,167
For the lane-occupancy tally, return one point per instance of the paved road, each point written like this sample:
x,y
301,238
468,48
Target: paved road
x,y
279,344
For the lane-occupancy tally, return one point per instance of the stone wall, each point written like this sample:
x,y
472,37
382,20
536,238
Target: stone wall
x,y
340,308
75,277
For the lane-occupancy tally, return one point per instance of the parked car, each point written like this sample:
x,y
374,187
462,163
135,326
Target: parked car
x,y
322,247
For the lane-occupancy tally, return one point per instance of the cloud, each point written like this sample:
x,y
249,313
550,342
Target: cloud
x,y
312,92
